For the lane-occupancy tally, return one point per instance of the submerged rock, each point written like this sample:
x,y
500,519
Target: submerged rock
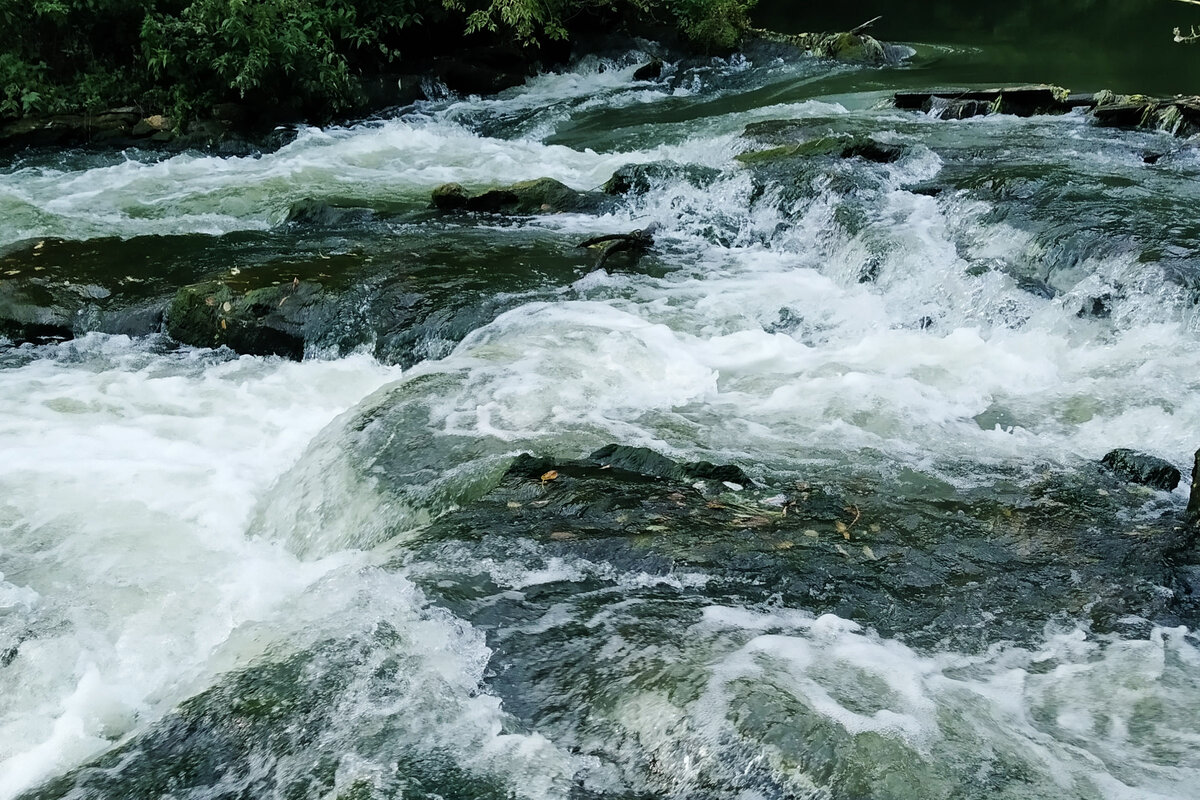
x,y
52,290
302,287
588,595
538,196
322,213
918,559
1142,468
641,178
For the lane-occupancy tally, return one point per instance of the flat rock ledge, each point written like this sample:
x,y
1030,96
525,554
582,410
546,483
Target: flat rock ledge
x,y
1178,115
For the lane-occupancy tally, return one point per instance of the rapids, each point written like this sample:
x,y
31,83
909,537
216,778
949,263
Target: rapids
x,y
227,576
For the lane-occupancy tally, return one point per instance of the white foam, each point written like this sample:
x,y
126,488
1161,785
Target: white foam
x,y
128,480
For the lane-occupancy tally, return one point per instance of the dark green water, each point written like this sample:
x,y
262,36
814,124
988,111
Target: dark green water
x,y
1085,45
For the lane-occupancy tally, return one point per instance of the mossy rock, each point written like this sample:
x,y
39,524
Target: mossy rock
x,y
641,178
826,146
851,47
1142,468
449,197
266,321
537,196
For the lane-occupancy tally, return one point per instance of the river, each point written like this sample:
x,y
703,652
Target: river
x,y
238,576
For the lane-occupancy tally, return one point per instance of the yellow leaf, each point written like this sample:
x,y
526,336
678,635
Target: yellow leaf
x,y
549,476
223,325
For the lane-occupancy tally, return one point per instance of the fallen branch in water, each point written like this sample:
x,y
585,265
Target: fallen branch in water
x,y
1194,35
870,22
635,242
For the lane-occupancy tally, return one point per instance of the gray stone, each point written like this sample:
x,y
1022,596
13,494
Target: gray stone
x,y
1141,468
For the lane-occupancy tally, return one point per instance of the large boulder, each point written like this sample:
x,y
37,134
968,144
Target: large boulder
x,y
1022,101
1142,468
641,178
524,198
853,146
266,321
854,46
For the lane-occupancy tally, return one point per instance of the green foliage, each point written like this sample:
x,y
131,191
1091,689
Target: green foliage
x,y
21,85
304,55
292,52
714,24
528,19
711,24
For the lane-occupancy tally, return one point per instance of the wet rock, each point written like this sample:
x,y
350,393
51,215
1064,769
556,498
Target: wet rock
x,y
854,46
1179,115
859,48
1193,507
49,292
300,288
389,90
645,461
1142,468
322,213
153,124
919,558
538,196
649,72
1097,307
265,321
116,127
641,178
863,147
450,197
253,724
1022,101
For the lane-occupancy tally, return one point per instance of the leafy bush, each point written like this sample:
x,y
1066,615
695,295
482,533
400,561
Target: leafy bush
x,y
293,52
711,24
75,55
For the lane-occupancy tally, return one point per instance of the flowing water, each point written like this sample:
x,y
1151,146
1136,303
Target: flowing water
x,y
230,576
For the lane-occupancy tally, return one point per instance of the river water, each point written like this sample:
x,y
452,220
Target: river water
x,y
232,576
